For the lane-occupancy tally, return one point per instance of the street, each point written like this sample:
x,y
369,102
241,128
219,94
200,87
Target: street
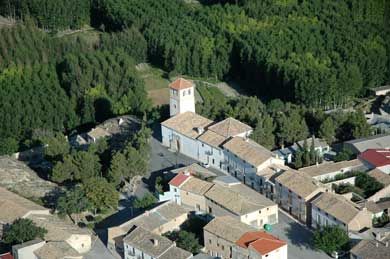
x,y
298,237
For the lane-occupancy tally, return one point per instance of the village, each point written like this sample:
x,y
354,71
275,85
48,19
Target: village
x,y
212,182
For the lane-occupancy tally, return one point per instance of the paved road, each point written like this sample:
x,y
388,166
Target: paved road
x,y
298,237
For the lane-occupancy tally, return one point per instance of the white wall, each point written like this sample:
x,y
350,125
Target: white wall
x,y
211,155
181,101
319,218
28,251
134,253
188,146
385,169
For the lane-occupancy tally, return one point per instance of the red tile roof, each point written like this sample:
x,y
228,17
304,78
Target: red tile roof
x,y
179,179
180,84
6,256
376,157
262,242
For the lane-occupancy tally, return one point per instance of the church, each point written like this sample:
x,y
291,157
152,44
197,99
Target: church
x,y
223,145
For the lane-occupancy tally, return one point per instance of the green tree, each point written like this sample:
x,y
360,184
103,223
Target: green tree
x,y
8,146
101,194
328,130
56,145
22,230
78,166
147,201
185,240
330,239
343,155
73,202
369,184
264,132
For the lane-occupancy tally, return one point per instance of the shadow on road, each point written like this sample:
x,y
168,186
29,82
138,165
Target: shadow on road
x,y
300,236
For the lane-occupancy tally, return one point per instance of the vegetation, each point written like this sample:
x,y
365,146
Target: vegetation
x,y
185,240
48,14
381,221
72,203
22,230
341,176
344,155
145,202
321,54
330,239
368,184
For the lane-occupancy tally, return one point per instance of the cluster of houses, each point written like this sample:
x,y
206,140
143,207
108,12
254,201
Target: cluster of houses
x,y
62,240
306,194
235,213
239,205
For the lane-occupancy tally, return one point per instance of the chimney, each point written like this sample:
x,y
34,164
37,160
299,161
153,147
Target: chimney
x,y
121,121
376,244
387,244
187,173
155,242
200,130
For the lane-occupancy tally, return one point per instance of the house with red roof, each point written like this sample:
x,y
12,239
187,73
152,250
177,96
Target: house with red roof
x,y
227,237
376,158
174,188
6,256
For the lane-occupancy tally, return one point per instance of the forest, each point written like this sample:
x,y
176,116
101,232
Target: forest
x,y
308,54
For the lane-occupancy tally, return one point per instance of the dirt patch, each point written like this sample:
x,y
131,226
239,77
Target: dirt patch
x,y
159,96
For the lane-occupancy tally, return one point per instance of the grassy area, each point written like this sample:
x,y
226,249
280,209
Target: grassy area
x,y
154,78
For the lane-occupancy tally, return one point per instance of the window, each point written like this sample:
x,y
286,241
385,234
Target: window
x,y
202,145
174,106
189,91
259,211
210,210
184,93
213,161
175,190
209,241
223,248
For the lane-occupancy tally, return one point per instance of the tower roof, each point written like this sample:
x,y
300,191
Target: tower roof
x,y
180,84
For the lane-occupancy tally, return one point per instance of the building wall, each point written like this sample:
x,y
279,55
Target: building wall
x,y
280,253
216,246
291,202
28,251
181,101
257,219
175,140
195,201
211,156
134,253
385,169
320,218
81,243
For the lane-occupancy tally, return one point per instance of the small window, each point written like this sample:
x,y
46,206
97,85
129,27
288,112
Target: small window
x,y
213,161
299,197
223,248
267,208
184,93
189,91
259,211
209,241
202,145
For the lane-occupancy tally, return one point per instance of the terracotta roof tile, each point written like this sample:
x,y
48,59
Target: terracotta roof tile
x,y
187,123
230,127
179,179
264,245
180,84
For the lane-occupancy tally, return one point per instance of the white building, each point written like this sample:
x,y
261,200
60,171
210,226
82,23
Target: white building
x,y
182,97
223,145
141,243
330,209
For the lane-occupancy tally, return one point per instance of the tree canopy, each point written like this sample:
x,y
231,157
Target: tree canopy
x,y
22,230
